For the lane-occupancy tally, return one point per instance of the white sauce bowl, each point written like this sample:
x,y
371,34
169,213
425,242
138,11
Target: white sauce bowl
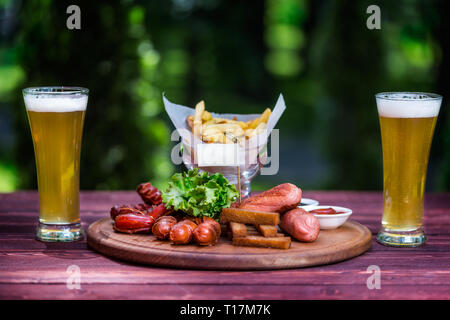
x,y
331,221
306,203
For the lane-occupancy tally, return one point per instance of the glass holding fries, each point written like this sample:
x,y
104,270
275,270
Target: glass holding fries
x,y
227,146
407,122
56,117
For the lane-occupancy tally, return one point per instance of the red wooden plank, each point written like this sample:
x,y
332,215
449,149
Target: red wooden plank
x,y
388,263
225,292
117,274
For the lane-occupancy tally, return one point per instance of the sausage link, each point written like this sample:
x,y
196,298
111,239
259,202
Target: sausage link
x,y
205,234
162,227
214,223
301,225
149,193
133,223
182,232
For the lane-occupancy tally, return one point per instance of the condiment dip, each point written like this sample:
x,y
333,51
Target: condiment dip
x,y
325,211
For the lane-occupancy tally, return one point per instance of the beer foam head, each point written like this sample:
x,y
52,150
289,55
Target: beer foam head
x,y
41,100
408,104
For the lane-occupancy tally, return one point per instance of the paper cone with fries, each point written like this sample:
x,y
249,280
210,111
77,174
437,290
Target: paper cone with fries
x,y
221,142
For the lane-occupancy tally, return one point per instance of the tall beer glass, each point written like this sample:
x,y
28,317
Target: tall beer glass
x,y
407,121
56,117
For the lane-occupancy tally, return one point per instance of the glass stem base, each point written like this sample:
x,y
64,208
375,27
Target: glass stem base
x,y
394,238
59,232
245,189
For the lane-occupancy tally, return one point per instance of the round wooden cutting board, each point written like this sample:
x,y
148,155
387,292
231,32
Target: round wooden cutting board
x,y
348,241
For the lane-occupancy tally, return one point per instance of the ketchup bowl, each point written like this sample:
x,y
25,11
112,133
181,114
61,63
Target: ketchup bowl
x,y
332,219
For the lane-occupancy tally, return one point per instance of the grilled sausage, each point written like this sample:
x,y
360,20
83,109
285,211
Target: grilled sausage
x,y
214,223
182,232
301,225
162,227
149,194
206,233
133,223
119,210
279,199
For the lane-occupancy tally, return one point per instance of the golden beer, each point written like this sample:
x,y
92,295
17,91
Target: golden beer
x,y
56,117
407,122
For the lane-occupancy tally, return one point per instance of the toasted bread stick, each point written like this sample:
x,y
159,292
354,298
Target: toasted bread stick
x,y
238,230
256,233
266,230
249,216
258,241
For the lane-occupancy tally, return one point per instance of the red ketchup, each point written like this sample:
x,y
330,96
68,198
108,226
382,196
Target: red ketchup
x,y
325,211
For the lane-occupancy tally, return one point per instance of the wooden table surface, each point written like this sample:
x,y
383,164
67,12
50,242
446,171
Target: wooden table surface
x,y
30,269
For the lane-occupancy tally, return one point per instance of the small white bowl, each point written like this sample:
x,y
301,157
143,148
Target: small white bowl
x,y
331,221
306,203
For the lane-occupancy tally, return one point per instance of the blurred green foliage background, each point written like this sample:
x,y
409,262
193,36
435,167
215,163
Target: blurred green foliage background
x,y
237,56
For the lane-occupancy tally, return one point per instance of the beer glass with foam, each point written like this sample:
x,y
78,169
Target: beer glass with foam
x,y
407,121
56,117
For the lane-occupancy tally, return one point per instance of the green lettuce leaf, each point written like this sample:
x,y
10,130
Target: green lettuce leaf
x,y
199,195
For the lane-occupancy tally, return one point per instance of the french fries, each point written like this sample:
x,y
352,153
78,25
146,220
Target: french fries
x,y
253,124
221,130
198,118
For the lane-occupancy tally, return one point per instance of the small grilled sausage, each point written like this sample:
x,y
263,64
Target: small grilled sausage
x,y
214,223
162,227
301,225
133,223
205,234
182,232
119,210
149,194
